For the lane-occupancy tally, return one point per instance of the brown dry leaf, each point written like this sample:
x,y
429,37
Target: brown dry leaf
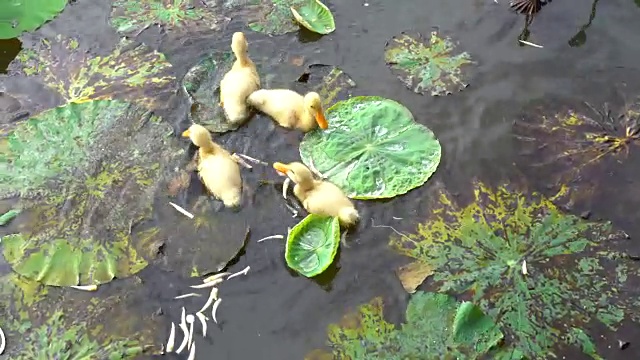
x,y
413,274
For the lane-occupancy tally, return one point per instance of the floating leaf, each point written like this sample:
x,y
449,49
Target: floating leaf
x,y
133,16
18,16
478,250
314,15
274,17
428,66
312,244
413,274
135,74
372,149
60,323
87,174
8,216
427,333
330,82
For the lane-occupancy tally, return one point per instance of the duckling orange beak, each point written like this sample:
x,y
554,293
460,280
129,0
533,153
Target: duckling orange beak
x,y
281,168
321,120
186,133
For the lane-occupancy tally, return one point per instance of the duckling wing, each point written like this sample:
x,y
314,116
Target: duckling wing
x,y
326,199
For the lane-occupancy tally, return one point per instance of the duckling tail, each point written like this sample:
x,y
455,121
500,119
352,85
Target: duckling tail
x,y
348,216
231,198
236,113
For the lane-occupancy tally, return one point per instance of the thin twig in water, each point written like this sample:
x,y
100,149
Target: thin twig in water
x,y
215,310
212,296
207,284
187,295
185,333
181,210
531,44
3,341
241,272
271,237
285,187
390,227
192,353
253,160
239,160
85,287
203,321
396,218
215,277
294,212
172,338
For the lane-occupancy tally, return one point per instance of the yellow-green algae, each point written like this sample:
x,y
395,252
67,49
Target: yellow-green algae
x,y
79,227
480,248
54,323
136,74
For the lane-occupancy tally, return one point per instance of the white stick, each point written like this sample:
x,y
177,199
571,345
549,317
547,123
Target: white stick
x,y
3,341
172,338
215,309
190,319
271,237
185,336
254,160
203,321
216,277
183,211
241,272
524,267
85,287
208,284
212,296
186,295
285,187
192,353
531,44
239,160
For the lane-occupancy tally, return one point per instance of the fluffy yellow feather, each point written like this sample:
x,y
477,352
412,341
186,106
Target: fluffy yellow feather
x,y
290,109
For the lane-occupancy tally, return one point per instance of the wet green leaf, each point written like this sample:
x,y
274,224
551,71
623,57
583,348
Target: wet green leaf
x,y
18,16
133,16
430,65
478,250
372,149
135,74
312,244
437,327
8,216
87,174
274,17
314,15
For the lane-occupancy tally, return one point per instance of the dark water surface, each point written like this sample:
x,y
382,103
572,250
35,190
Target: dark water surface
x,y
274,314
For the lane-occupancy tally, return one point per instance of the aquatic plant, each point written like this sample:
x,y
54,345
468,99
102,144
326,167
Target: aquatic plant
x,y
135,74
312,244
541,274
274,17
133,16
18,16
436,327
430,65
314,16
330,82
372,149
87,174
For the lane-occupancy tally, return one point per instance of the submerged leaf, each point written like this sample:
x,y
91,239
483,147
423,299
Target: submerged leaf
x,y
314,15
312,244
87,174
18,16
477,250
413,275
133,16
428,66
330,82
372,149
135,74
274,17
427,333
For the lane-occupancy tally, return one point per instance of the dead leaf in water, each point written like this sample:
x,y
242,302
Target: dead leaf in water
x,y
413,275
178,183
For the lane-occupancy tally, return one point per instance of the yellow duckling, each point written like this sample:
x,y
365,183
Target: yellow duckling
x,y
290,109
319,197
218,169
239,82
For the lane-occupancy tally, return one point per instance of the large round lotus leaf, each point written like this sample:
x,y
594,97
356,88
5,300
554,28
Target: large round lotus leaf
x,y
87,174
315,16
312,244
17,16
372,149
133,16
62,323
428,66
133,73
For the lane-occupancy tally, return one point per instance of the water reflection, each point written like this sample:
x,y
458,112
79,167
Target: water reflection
x,y
9,49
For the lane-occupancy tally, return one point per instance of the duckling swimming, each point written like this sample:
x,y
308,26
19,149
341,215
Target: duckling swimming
x,y
290,109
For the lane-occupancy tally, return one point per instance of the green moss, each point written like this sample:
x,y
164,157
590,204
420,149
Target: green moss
x,y
479,249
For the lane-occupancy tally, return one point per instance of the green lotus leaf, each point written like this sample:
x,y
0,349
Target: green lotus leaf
x,y
274,17
18,16
544,275
62,323
429,331
87,174
312,244
136,74
372,149
428,66
133,16
577,144
330,82
314,16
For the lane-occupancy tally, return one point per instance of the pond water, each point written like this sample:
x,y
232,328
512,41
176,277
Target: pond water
x,y
590,48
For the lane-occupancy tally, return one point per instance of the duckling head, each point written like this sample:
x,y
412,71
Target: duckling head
x,y
297,172
239,44
199,136
314,106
